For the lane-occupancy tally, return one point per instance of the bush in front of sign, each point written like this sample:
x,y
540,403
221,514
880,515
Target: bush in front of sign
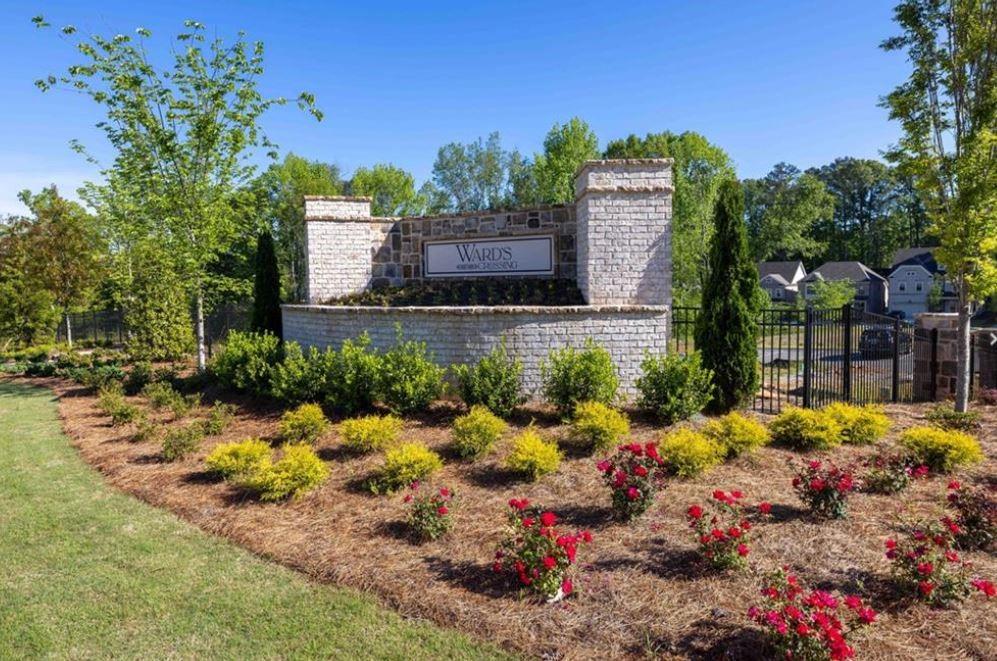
x,y
408,380
494,382
571,376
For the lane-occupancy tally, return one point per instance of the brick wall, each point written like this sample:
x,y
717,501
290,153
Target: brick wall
x,y
464,334
337,246
624,240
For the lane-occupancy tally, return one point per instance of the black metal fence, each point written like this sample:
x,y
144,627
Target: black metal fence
x,y
811,357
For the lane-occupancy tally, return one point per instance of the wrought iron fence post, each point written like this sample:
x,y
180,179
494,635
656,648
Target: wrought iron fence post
x,y
895,391
846,374
934,364
808,342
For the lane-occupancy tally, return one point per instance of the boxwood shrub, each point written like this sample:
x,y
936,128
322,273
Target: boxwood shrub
x,y
674,387
573,375
493,382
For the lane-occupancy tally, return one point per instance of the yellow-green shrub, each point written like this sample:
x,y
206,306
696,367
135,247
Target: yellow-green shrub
x,y
532,455
806,429
182,441
736,433
110,398
370,432
860,425
231,460
941,450
404,464
304,424
476,432
297,471
598,426
687,452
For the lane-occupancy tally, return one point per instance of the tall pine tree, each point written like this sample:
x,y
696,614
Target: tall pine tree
x,y
266,288
727,326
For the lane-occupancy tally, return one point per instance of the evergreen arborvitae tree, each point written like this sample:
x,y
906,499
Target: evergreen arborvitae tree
x,y
266,288
727,326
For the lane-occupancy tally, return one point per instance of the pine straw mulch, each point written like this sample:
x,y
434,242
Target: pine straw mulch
x,y
642,592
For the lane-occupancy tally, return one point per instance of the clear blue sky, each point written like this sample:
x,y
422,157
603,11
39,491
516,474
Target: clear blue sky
x,y
768,81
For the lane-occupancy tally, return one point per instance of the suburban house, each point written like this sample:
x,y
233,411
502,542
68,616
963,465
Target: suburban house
x,y
914,274
780,280
871,289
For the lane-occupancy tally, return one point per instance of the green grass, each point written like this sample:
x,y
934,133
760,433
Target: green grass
x,y
86,572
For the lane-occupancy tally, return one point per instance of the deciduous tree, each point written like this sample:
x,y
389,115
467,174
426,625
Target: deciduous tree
x,y
566,147
782,211
392,189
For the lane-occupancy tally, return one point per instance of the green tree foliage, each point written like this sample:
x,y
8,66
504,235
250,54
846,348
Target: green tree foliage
x,y
266,288
947,110
477,176
700,167
782,210
828,294
158,314
727,325
28,313
183,136
566,147
282,188
392,188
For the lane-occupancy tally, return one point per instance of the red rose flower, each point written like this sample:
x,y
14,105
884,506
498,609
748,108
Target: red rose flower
x,y
567,587
926,587
742,550
695,512
984,586
765,508
548,519
442,510
549,562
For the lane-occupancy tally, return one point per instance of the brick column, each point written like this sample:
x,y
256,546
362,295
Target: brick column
x,y
624,214
947,325
337,246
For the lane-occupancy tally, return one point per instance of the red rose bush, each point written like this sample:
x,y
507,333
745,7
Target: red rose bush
x,y
824,487
431,514
926,564
975,511
808,625
539,555
723,531
634,475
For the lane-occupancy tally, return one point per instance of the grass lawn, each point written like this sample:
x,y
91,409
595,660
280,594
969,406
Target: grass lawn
x,y
86,572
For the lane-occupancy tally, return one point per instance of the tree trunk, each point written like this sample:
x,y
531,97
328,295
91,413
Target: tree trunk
x,y
199,326
69,331
963,368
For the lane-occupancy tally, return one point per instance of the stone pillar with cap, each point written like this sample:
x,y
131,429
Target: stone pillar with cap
x,y
624,215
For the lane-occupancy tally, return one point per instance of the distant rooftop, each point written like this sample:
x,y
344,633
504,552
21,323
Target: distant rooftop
x,y
853,271
785,270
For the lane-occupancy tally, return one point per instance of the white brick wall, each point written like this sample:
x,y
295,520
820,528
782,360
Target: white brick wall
x,y
463,335
624,212
337,246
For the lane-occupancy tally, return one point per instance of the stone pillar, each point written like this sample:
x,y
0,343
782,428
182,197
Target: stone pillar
x,y
947,325
624,214
337,246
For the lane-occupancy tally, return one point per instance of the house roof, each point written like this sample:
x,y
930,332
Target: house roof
x,y
920,256
786,270
776,278
853,271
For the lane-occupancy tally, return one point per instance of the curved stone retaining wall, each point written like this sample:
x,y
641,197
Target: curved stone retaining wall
x,y
465,334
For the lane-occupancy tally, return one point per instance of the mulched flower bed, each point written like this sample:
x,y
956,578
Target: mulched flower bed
x,y
640,592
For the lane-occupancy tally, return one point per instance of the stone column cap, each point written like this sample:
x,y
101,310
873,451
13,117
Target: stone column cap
x,y
626,162
338,198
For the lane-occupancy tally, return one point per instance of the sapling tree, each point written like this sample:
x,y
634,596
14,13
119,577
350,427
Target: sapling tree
x,y
947,110
183,135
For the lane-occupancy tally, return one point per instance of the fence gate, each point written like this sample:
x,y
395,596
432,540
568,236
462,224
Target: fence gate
x,y
813,357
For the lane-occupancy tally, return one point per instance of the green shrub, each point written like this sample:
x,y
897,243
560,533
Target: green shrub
x,y
674,387
300,378
110,398
352,376
494,382
304,424
860,425
158,312
404,464
159,394
235,460
139,376
942,450
247,362
125,414
572,375
145,430
476,432
219,417
806,429
946,417
371,432
297,471
688,453
182,441
181,405
598,426
100,376
533,456
408,380
736,433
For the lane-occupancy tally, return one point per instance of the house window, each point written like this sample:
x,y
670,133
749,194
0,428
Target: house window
x,y
903,286
918,286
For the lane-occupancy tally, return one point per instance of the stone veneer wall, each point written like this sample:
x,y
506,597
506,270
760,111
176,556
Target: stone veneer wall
x,y
624,240
464,334
397,242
